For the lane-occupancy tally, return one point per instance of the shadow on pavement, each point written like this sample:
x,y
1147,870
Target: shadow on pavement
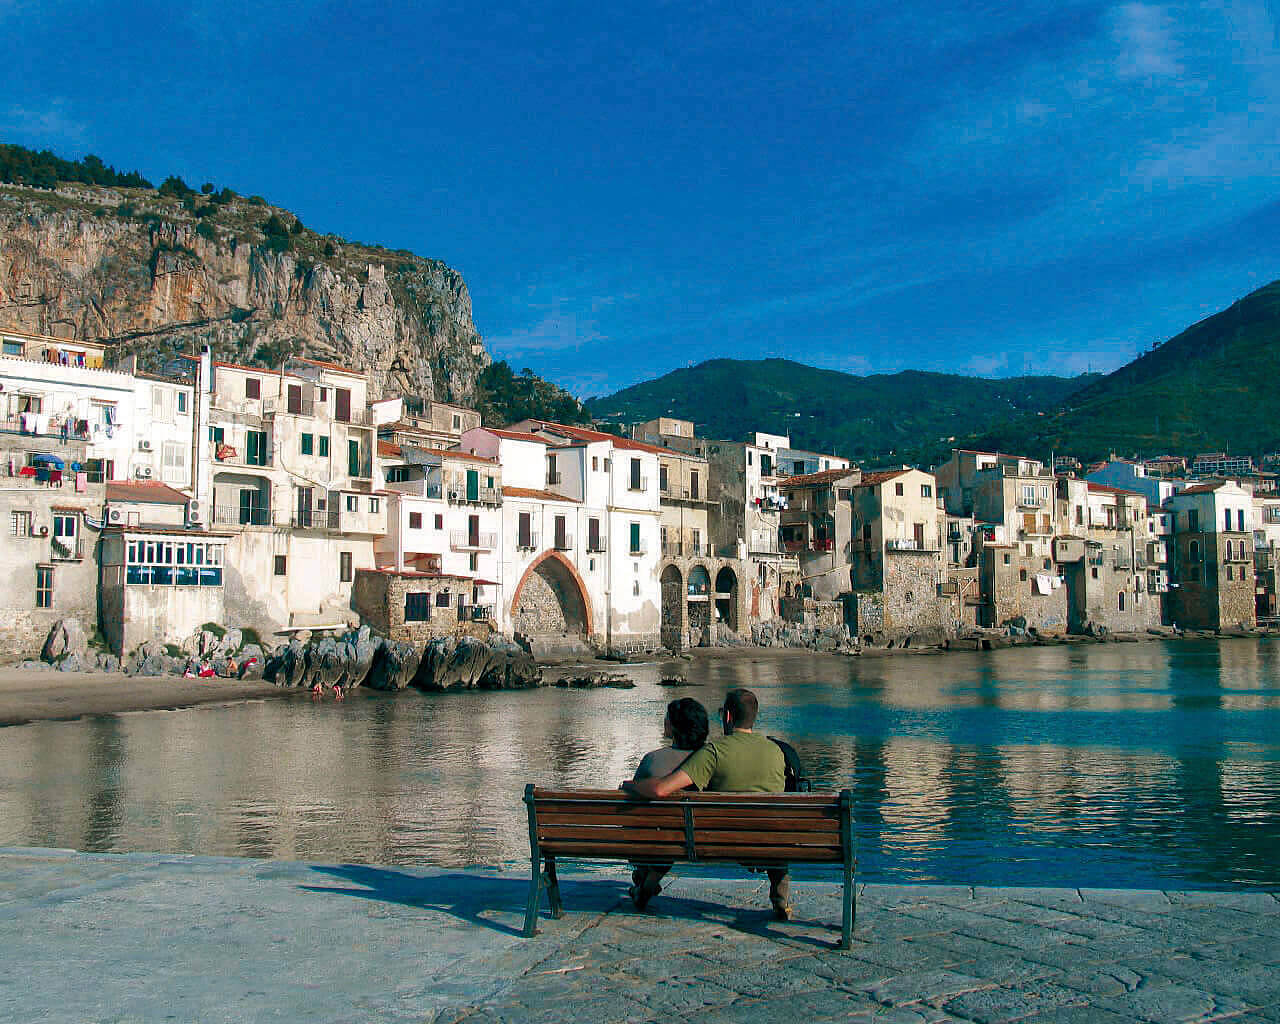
x,y
462,895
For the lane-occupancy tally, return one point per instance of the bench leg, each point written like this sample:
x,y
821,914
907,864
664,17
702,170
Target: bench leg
x,y
850,908
553,889
535,897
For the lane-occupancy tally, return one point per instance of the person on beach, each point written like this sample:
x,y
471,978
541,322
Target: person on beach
x,y
686,726
742,761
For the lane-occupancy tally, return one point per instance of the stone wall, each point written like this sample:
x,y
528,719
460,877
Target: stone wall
x,y
546,606
379,597
1010,589
912,605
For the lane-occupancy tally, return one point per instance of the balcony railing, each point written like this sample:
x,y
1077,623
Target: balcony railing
x,y
908,544
595,545
315,519
356,418
475,612
284,407
229,455
484,495
465,540
554,478
529,542
238,515
67,549
637,551
564,542
638,485
672,548
363,470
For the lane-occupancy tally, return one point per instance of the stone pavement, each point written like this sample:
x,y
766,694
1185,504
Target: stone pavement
x,y
153,937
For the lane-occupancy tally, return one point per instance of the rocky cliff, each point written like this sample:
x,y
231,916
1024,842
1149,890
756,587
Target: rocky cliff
x,y
160,274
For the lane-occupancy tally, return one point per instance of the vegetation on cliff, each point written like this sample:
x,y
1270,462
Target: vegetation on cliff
x,y
505,397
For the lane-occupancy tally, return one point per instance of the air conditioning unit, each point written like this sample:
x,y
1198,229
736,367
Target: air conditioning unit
x,y
145,473
144,445
193,507
44,531
115,515
194,516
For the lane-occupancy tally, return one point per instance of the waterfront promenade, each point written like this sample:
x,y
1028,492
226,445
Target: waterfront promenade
x,y
151,937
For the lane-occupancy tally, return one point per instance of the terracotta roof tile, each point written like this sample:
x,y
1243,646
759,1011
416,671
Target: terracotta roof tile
x,y
149,491
826,476
530,492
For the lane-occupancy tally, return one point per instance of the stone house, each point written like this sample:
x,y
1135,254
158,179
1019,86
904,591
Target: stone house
x,y
414,607
49,554
1212,560
817,529
291,480
160,578
422,422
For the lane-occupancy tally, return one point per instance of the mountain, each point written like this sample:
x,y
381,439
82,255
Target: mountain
x,y
1210,388
870,418
91,253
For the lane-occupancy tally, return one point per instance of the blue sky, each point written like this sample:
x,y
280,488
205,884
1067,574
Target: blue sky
x,y
984,188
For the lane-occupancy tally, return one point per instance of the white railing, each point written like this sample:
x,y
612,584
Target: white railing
x,y
465,540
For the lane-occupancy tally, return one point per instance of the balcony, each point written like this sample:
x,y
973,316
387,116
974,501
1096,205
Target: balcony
x,y
229,455
554,478
908,544
1031,501
465,540
356,418
315,519
475,613
529,542
564,542
642,484
484,495
285,407
636,552
238,515
672,548
363,470
67,549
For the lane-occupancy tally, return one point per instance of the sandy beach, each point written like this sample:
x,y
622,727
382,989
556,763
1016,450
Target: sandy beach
x,y
42,696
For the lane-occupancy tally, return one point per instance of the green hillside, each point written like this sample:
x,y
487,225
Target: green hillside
x,y
1211,388
865,418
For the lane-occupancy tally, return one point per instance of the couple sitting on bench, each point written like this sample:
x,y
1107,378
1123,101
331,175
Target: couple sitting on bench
x,y
740,761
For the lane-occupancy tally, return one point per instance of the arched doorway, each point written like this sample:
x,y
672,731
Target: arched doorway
x,y
672,584
726,597
700,603
550,600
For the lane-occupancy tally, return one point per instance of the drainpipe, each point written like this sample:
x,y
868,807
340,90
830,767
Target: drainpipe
x,y
608,562
200,443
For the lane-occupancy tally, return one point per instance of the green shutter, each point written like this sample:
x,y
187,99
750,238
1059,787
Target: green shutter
x,y
473,485
635,536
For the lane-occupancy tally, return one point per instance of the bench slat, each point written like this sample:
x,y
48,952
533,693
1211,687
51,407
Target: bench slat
x,y
674,852
805,800
722,837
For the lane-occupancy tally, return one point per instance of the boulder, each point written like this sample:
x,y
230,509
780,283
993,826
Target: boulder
x,y
152,665
107,662
231,642
596,681
29,665
71,662
469,664
66,637
395,666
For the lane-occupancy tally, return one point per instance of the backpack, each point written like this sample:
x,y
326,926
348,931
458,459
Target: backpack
x,y
797,781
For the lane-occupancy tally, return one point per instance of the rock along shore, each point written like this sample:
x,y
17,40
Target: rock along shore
x,y
150,937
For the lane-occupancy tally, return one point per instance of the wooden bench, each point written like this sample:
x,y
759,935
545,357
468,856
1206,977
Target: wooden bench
x,y
767,830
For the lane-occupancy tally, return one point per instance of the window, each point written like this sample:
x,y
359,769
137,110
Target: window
x,y
1230,572
1022,575
662,478
439,521
635,539
1079,515
693,484
926,490
897,489
415,520
294,399
353,503
1120,601
173,462
323,443
344,566
1193,551
255,447
595,463
375,505
324,395
64,526
1193,520
395,474
281,565
1240,519
217,436
1094,572
593,534
1048,563
173,563
417,607
749,454
252,387
457,422
560,535
44,586
1006,559
342,405
524,530
182,401
442,599
473,561
20,524
13,348
1226,518
308,443
161,405
636,483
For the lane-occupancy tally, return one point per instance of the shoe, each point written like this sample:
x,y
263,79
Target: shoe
x,y
782,911
643,893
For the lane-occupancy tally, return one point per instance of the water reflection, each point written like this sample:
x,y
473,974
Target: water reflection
x,y
1131,765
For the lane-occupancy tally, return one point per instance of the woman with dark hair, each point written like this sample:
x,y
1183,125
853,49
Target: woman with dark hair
x,y
686,726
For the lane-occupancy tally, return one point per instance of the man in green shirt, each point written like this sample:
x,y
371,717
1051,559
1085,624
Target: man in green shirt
x,y
741,761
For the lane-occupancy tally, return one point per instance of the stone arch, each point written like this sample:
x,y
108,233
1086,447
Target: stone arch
x,y
726,597
673,607
551,599
699,601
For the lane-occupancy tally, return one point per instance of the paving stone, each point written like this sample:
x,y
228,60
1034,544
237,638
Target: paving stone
x,y
1170,1003
924,987
997,1006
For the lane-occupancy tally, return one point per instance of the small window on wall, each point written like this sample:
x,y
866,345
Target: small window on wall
x,y
323,442
353,503
442,599
44,586
375,505
473,561
281,565
252,387
344,566
897,489
1006,558
1022,575
1120,601
308,442
182,401
417,607
439,521
415,520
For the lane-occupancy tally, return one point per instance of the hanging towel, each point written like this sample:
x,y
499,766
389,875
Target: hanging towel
x,y
1043,584
82,482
